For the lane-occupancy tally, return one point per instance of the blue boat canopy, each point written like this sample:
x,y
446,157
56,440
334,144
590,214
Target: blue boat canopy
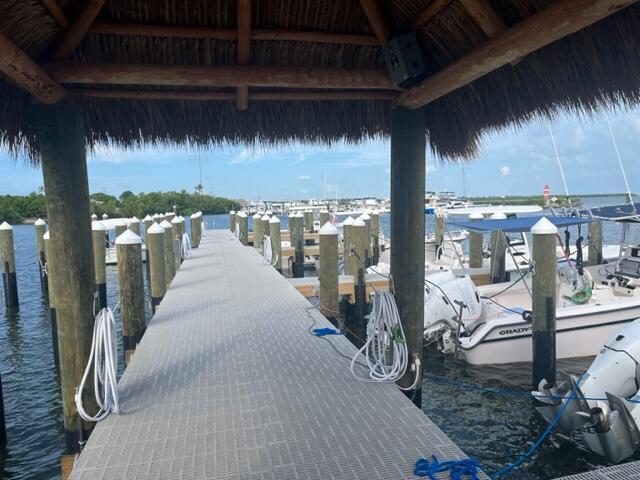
x,y
516,224
618,213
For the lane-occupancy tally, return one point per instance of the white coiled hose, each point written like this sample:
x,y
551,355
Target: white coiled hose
x,y
385,350
266,250
237,230
103,358
186,247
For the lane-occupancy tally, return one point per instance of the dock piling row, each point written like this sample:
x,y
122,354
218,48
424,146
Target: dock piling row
x,y
8,258
476,241
40,227
98,231
154,240
276,242
169,255
329,299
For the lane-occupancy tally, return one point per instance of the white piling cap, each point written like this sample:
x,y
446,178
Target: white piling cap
x,y
324,210
181,218
177,219
155,215
196,215
269,212
232,212
544,227
274,219
155,228
164,224
46,235
242,215
476,216
122,223
5,226
257,215
328,229
97,225
375,212
265,218
93,217
128,238
134,219
41,222
365,216
348,221
148,218
105,216
358,222
498,216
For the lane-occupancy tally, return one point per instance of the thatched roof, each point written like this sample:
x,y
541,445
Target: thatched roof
x,y
594,68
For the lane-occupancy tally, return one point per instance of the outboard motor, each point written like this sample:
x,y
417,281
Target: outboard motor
x,y
598,405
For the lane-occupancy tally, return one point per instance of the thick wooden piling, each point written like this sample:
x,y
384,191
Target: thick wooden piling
x,y
105,216
232,220
329,270
40,227
243,223
595,243
3,424
324,217
134,225
438,232
52,299
498,253
147,222
121,226
61,142
94,217
178,229
196,229
544,302
346,240
407,231
99,266
266,231
308,220
297,242
169,255
375,237
476,241
154,240
8,258
257,231
366,218
276,243
131,281
360,260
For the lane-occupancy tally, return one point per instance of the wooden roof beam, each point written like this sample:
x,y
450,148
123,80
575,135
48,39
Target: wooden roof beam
x,y
561,18
264,34
485,17
243,54
56,13
428,13
218,76
78,29
377,20
26,74
334,95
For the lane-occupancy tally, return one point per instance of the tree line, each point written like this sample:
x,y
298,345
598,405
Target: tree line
x,y
18,208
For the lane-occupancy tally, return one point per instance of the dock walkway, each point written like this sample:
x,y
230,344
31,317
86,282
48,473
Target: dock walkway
x,y
626,471
228,383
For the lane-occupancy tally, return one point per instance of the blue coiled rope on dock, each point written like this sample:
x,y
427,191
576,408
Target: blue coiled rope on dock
x,y
466,469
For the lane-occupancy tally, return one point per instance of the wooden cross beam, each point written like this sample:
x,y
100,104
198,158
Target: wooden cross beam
x,y
78,29
56,13
485,17
377,21
561,18
428,13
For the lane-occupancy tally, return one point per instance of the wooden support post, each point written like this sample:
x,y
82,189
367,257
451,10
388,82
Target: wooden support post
x,y
99,266
232,220
366,218
360,260
61,139
134,225
257,231
329,270
7,256
147,222
154,240
439,232
346,250
308,221
324,217
169,257
544,302
498,253
265,227
40,228
407,232
52,300
196,229
375,237
595,243
178,229
243,223
276,242
130,279
476,241
297,242
3,424
121,226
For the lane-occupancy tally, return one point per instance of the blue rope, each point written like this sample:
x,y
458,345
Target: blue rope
x,y
323,332
456,468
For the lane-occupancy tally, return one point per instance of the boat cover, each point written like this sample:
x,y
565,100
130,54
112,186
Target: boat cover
x,y
618,213
516,224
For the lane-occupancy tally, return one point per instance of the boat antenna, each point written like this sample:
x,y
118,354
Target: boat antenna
x,y
624,175
555,148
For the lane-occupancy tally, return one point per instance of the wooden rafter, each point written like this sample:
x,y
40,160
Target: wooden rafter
x,y
377,21
561,18
485,17
243,54
212,33
428,13
231,96
78,29
26,74
218,76
56,13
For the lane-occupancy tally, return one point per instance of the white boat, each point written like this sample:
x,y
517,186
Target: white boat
x,y
496,325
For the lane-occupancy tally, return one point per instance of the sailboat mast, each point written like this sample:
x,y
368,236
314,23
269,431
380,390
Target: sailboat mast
x,y
555,149
624,174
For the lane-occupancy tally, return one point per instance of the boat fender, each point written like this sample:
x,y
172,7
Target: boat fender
x,y
527,316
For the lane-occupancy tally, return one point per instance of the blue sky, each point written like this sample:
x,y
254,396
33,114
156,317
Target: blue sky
x,y
512,161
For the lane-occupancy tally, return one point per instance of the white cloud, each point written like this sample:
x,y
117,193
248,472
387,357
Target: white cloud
x,y
300,159
304,177
578,139
505,170
245,156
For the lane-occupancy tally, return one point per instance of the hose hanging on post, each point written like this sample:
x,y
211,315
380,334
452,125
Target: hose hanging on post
x,y
266,250
186,251
103,358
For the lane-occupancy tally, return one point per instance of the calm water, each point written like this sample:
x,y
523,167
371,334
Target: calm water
x,y
491,428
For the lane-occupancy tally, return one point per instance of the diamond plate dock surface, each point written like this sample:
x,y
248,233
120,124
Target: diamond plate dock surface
x,y
628,471
227,383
